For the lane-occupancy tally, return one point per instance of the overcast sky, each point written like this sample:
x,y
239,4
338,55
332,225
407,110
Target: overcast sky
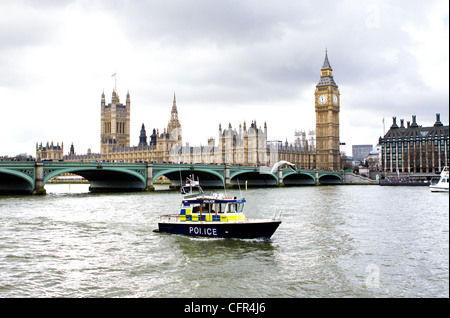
x,y
227,62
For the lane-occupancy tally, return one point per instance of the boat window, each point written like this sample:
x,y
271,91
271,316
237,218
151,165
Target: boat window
x,y
231,208
196,208
235,207
206,208
220,207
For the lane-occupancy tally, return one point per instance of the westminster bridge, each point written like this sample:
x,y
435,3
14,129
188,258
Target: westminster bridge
x,y
31,176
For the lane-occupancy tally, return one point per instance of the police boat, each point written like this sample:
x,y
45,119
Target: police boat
x,y
214,215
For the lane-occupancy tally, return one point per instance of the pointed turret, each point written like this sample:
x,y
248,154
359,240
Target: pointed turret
x,y
174,127
153,138
72,150
143,137
115,98
174,105
326,73
103,98
326,64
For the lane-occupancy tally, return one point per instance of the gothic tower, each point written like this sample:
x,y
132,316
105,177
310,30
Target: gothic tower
x,y
327,105
143,137
174,126
115,123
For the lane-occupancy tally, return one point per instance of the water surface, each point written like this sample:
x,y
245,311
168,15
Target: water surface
x,y
335,241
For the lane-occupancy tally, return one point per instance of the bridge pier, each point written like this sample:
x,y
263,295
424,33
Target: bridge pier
x,y
227,177
280,177
39,182
149,183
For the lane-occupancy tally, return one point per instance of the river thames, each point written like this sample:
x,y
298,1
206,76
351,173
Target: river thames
x,y
335,241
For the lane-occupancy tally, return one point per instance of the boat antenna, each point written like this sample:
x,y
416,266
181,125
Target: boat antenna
x,y
224,188
181,180
239,185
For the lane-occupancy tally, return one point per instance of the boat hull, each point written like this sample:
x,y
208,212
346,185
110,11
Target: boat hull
x,y
404,183
438,189
243,230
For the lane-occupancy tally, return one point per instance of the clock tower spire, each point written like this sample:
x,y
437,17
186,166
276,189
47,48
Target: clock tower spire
x,y
327,105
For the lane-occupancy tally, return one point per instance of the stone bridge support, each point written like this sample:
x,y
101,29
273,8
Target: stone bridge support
x,y
149,184
280,177
39,183
227,176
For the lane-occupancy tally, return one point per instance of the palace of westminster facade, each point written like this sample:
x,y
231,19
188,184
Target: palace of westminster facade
x,y
246,145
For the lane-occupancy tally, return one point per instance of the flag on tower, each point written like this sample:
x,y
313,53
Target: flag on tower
x,y
115,81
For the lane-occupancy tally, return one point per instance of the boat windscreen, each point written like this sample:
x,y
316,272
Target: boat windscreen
x,y
214,207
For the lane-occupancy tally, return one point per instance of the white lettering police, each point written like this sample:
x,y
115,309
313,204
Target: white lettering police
x,y
206,231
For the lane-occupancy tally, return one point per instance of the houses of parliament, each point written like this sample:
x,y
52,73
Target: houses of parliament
x,y
245,145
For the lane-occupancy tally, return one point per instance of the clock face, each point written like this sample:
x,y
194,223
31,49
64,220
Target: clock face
x,y
322,99
335,99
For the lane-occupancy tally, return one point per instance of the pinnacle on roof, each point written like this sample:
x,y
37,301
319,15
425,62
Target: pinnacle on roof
x,y
174,105
326,64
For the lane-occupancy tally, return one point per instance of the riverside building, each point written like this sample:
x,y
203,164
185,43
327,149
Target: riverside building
x,y
415,149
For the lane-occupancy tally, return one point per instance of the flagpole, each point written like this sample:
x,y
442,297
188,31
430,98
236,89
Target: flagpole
x,y
115,81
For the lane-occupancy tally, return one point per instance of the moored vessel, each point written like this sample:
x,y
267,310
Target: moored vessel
x,y
443,183
215,215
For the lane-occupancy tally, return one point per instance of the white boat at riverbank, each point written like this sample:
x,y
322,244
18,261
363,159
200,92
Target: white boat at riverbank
x,y
442,184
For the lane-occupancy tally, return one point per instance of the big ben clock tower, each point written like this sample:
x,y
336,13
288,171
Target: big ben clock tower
x,y
327,103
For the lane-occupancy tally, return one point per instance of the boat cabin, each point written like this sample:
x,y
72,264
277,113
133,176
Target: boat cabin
x,y
212,209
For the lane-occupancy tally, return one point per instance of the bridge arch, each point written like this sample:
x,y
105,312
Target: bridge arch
x,y
103,178
298,178
253,178
12,180
330,179
208,178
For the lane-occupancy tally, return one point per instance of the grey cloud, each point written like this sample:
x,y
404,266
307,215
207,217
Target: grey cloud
x,y
224,22
24,24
